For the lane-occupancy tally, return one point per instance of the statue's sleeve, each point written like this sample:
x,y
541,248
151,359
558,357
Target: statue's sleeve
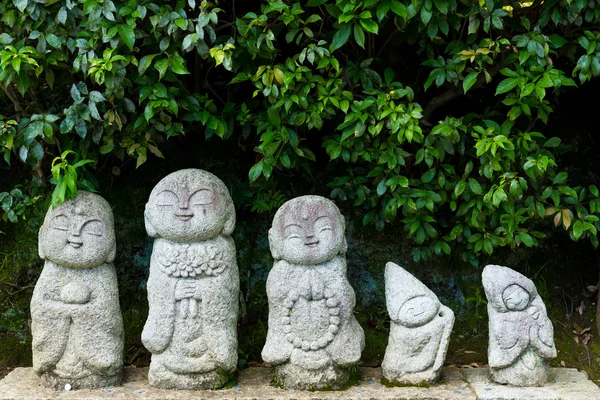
x,y
277,349
158,330
220,311
507,338
99,324
542,333
447,316
49,321
348,343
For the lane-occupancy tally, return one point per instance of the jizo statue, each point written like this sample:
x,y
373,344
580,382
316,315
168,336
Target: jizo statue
x,y
193,286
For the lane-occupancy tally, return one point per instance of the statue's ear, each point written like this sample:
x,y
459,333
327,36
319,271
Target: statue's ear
x,y
344,246
112,254
149,227
41,243
229,224
274,245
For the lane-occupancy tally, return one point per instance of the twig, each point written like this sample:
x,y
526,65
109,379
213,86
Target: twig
x,y
210,87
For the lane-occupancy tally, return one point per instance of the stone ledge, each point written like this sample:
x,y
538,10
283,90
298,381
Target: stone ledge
x,y
255,383
568,384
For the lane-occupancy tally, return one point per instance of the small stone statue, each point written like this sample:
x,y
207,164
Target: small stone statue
x,y
313,338
419,330
76,321
193,287
521,334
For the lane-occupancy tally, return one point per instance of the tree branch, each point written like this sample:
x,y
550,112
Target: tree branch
x,y
453,93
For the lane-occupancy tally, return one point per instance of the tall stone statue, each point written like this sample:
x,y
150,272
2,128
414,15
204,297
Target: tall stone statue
x,y
419,330
521,334
193,287
313,338
77,325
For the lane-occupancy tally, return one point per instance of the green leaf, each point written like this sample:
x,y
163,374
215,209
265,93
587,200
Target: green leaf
x,y
369,25
470,81
441,5
20,4
145,63
399,9
127,35
274,116
560,178
255,171
552,142
506,85
359,36
475,186
341,37
5,39
578,228
178,65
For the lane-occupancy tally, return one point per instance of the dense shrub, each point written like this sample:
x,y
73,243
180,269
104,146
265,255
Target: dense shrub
x,y
430,113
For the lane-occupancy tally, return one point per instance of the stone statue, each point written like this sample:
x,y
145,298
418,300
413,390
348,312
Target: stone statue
x,y
193,287
313,338
521,334
76,321
419,330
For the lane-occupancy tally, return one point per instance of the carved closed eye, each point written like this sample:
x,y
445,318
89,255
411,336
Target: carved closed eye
x,y
60,222
201,197
93,228
166,198
293,232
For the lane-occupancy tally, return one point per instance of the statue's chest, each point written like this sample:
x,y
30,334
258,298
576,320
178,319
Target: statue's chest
x,y
312,311
191,259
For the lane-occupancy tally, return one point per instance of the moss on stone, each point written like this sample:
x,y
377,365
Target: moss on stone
x,y
390,384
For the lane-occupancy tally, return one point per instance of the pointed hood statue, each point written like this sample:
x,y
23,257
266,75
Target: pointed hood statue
x,y
419,331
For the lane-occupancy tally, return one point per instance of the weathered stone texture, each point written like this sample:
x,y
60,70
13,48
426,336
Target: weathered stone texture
x,y
76,321
521,335
193,286
419,330
313,337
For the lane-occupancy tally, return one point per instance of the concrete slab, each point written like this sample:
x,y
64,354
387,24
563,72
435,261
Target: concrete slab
x,y
568,384
253,383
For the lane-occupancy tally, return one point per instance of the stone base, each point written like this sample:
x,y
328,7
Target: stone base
x,y
291,376
51,380
566,384
160,377
255,383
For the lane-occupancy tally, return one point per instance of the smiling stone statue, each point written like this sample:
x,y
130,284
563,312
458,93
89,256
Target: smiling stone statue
x,y
76,321
521,334
193,286
313,337
419,330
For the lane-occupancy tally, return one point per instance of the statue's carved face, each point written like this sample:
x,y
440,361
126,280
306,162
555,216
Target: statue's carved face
x,y
309,232
187,207
515,297
418,311
79,234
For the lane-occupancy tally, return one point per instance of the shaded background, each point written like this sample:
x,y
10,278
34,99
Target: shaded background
x,y
565,272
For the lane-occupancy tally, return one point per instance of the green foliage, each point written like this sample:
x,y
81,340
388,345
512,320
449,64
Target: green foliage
x,y
304,83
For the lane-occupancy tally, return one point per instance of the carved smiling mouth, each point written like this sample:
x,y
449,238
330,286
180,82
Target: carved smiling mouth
x,y
184,217
312,244
75,244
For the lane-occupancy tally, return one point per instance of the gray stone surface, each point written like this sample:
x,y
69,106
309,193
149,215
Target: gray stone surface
x,y
313,338
253,383
565,384
521,334
76,321
193,286
420,329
